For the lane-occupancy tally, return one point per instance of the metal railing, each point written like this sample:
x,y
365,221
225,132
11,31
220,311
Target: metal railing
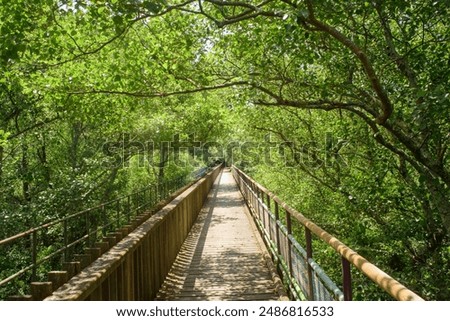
x,y
56,242
301,274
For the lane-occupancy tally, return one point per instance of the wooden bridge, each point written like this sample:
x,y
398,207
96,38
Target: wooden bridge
x,y
223,237
223,257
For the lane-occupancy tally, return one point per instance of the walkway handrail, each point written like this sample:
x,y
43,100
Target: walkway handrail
x,y
77,214
92,222
136,267
382,279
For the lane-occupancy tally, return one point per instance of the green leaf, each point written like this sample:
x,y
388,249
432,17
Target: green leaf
x,y
152,6
118,20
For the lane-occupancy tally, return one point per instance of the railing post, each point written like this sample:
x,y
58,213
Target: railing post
x,y
309,255
277,235
262,215
289,230
66,242
88,228
253,197
151,195
128,208
160,190
105,223
118,213
268,214
269,217
346,279
136,205
277,229
138,201
34,255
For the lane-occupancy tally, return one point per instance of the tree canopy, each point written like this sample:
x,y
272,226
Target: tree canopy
x,y
340,107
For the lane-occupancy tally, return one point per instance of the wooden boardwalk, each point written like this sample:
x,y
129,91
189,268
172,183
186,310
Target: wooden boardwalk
x,y
223,257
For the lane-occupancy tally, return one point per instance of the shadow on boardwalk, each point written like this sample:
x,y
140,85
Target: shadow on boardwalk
x,y
221,258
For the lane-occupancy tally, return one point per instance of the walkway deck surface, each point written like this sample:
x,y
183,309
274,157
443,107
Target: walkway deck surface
x,y
222,257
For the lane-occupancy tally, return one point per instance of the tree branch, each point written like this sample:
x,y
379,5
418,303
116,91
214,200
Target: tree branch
x,y
240,4
349,106
86,53
326,105
251,12
34,126
224,23
401,62
163,12
117,36
160,94
385,102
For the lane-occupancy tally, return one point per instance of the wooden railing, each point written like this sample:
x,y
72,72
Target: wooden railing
x,y
301,274
81,230
76,239
135,268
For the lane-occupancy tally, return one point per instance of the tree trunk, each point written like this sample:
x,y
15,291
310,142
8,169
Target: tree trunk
x,y
163,157
73,152
2,149
25,174
42,154
440,201
110,184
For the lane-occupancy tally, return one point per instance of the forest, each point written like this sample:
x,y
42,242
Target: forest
x,y
341,108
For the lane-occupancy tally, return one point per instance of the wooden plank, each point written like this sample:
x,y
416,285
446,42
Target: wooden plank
x,y
58,278
94,252
243,277
111,239
118,235
20,298
72,268
103,246
84,259
40,290
106,290
220,288
113,286
222,297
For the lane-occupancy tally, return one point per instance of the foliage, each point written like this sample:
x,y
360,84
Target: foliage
x,y
340,107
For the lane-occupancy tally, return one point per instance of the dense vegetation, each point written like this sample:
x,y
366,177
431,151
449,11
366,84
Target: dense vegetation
x,y
340,107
